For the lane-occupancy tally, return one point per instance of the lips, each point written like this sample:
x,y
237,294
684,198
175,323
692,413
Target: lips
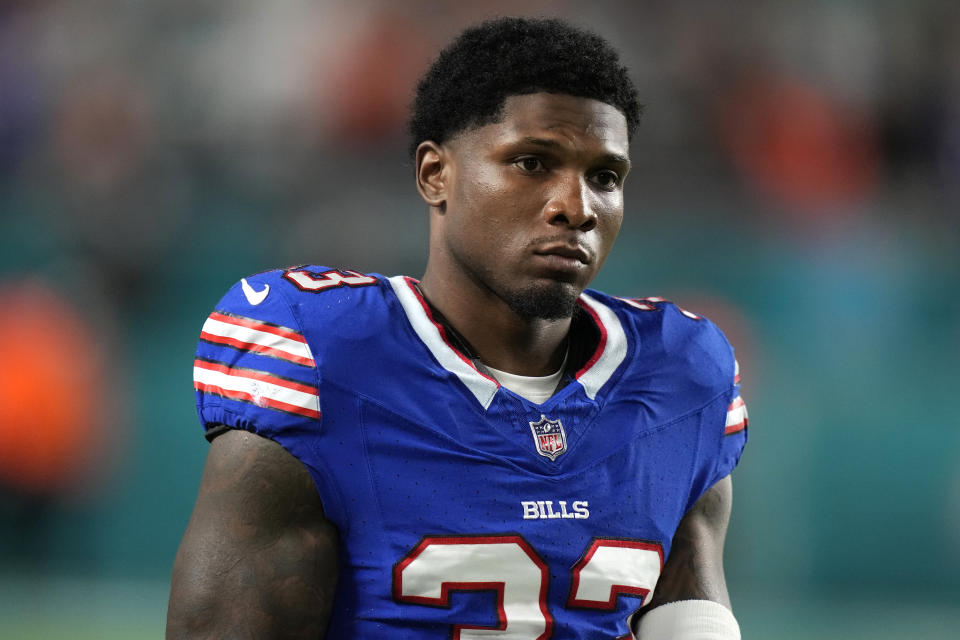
x,y
563,262
565,251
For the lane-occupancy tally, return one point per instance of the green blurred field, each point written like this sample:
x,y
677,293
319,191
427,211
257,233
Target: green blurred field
x,y
135,611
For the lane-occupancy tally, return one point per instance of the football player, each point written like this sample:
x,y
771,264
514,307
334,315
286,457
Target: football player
x,y
493,450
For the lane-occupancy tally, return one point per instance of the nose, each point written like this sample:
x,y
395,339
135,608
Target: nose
x,y
569,206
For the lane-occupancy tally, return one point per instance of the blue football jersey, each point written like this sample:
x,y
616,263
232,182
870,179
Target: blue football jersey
x,y
465,510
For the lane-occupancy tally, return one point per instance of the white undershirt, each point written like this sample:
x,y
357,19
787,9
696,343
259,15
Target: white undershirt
x,y
536,389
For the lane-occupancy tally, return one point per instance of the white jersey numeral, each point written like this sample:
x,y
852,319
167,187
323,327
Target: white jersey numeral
x,y
511,568
308,281
611,567
504,564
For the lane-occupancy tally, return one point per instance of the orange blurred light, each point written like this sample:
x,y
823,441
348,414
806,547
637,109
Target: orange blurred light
x,y
796,144
51,391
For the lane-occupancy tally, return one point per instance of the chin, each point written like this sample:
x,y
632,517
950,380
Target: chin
x,y
551,301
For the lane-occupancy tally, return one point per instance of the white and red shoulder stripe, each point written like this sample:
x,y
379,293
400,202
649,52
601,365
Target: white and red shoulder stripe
x,y
611,349
433,336
737,418
259,388
256,336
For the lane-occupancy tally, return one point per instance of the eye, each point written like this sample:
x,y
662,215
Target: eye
x,y
530,164
606,178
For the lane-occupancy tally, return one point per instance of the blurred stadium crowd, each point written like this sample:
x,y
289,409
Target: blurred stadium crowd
x,y
797,179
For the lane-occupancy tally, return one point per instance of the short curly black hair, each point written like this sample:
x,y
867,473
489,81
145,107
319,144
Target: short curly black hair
x,y
473,76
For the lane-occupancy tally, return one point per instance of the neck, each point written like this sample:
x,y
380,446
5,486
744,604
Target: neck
x,y
498,336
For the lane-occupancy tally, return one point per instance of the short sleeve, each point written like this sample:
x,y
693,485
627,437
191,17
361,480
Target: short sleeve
x,y
733,436
253,368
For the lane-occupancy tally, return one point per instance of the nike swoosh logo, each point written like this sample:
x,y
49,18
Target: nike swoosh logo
x,y
254,297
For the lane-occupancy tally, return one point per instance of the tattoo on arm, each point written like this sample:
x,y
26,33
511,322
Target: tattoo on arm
x,y
259,558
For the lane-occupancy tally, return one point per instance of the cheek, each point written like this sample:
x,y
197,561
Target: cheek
x,y
609,210
493,209
612,227
479,186
607,230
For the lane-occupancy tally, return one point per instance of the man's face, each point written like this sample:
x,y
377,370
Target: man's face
x,y
534,202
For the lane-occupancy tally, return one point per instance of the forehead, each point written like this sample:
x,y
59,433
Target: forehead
x,y
565,119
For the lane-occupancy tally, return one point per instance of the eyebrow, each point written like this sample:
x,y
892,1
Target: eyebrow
x,y
609,158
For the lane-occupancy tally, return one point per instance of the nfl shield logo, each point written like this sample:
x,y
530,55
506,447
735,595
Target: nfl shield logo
x,y
549,436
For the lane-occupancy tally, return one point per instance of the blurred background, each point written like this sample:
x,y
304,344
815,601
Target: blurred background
x,y
797,180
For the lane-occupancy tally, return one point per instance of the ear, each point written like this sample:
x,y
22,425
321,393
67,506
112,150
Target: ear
x,y
432,173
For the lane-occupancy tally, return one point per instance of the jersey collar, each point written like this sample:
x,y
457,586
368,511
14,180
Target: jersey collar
x,y
610,351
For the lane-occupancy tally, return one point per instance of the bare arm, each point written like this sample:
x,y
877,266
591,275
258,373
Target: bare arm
x,y
259,558
694,570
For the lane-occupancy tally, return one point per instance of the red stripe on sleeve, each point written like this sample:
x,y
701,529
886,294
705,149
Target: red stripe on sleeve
x,y
264,402
250,323
256,348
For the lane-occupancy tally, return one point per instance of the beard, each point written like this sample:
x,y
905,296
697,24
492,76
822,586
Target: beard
x,y
552,301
